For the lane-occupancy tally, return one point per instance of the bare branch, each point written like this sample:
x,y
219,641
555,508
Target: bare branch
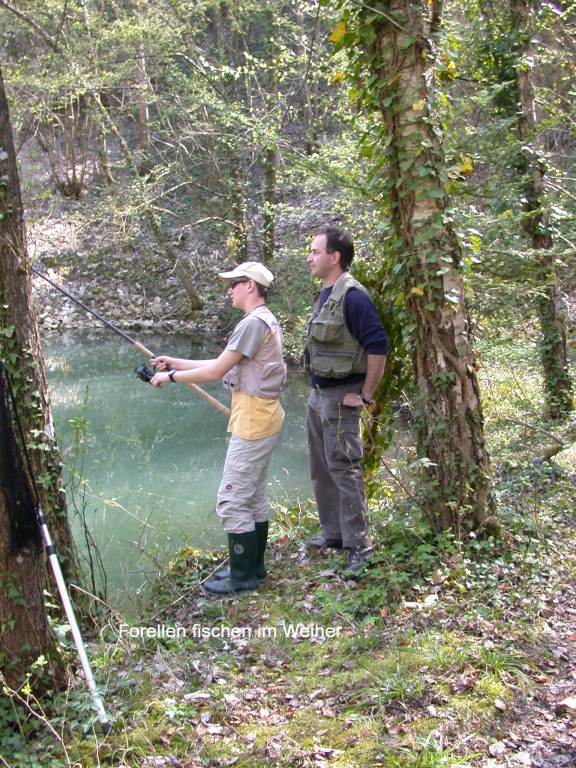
x,y
31,23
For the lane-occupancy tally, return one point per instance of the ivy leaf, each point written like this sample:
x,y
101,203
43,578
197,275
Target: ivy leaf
x,y
368,34
338,32
417,291
418,105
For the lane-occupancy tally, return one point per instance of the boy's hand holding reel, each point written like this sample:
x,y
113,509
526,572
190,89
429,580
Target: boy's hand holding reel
x,y
144,373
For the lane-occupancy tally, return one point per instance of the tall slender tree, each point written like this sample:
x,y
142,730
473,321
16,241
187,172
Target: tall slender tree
x,y
24,631
392,44
514,63
537,223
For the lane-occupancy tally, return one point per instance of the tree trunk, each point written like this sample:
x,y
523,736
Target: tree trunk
x,y
307,97
270,151
550,306
145,165
269,208
155,223
450,422
24,630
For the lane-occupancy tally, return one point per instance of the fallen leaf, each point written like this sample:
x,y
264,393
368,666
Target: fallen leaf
x,y
196,696
497,749
438,577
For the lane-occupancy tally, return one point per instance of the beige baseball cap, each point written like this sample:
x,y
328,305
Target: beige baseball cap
x,y
253,270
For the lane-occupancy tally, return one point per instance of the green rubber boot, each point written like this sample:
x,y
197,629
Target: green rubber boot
x,y
261,541
242,549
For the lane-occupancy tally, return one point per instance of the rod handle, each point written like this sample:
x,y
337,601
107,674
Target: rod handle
x,y
199,391
143,349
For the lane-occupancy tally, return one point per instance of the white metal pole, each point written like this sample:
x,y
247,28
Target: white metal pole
x,y
57,571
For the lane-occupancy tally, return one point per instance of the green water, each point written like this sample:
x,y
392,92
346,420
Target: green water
x,y
150,461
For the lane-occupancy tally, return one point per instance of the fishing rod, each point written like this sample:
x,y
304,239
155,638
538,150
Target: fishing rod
x,y
22,499
142,372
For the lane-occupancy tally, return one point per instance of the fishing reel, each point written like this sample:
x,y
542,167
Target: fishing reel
x,y
144,373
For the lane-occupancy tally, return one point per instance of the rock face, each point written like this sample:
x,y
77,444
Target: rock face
x,y
126,303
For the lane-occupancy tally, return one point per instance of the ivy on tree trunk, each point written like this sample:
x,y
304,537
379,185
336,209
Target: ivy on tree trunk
x,y
392,43
24,631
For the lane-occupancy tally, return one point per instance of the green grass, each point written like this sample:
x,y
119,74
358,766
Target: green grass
x,y
432,650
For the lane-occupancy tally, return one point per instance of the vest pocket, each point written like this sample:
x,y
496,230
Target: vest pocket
x,y
329,330
332,363
273,378
232,379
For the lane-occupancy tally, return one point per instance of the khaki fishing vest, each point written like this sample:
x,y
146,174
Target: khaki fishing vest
x,y
264,374
330,350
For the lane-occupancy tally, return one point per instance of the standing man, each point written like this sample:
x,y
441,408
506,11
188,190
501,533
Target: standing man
x,y
252,368
345,351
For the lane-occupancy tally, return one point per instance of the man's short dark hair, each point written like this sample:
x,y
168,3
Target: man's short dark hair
x,y
339,240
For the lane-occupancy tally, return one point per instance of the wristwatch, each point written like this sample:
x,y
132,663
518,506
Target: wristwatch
x,y
365,400
171,376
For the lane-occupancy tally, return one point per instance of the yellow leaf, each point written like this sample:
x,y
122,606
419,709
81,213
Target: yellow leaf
x,y
417,291
338,32
338,77
466,166
418,105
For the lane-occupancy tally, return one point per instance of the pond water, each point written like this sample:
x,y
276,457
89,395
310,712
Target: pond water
x,y
151,459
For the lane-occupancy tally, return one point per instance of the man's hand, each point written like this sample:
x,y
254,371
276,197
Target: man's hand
x,y
352,400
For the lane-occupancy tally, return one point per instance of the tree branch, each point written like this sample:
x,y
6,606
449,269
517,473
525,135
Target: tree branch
x,y
31,23
535,427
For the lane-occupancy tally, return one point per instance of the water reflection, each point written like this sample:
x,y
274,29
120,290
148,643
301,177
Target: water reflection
x,y
152,458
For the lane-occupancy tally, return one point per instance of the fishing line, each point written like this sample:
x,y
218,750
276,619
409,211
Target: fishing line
x,y
150,355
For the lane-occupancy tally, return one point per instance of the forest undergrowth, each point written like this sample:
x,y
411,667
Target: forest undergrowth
x,y
444,653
